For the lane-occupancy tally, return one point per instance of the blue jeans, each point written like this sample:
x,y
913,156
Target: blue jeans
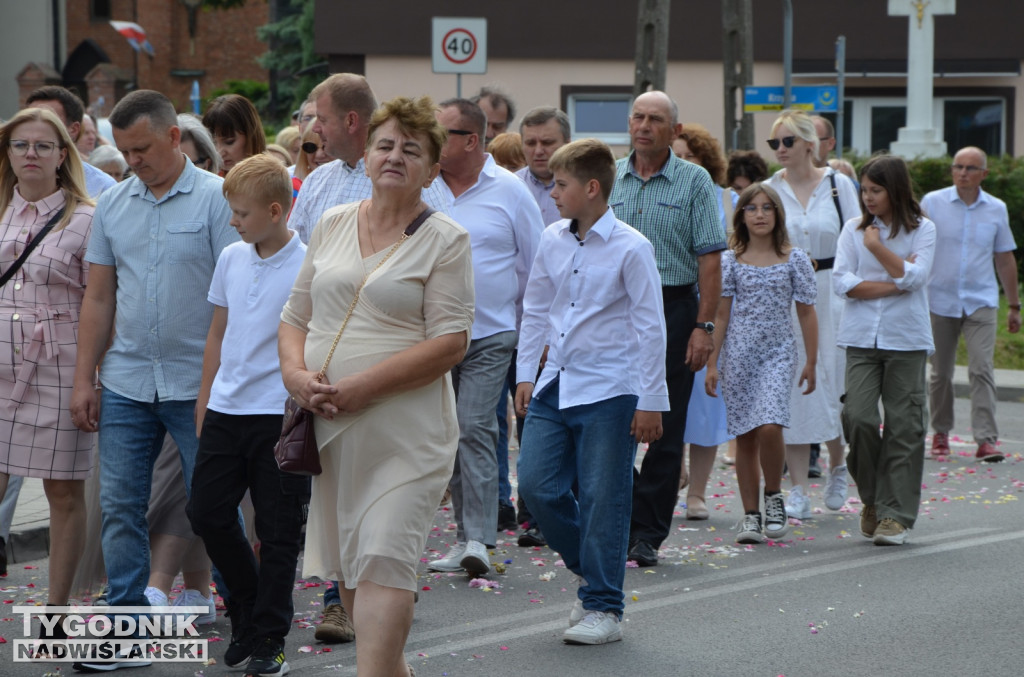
x,y
130,438
590,444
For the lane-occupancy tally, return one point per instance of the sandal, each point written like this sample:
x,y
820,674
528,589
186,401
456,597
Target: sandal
x,y
684,479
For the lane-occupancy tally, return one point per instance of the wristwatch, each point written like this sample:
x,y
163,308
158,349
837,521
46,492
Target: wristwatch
x,y
709,327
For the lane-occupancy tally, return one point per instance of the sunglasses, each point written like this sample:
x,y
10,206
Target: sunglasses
x,y
787,141
460,132
310,147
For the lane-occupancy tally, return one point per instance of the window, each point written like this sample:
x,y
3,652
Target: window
x,y
99,10
974,122
599,112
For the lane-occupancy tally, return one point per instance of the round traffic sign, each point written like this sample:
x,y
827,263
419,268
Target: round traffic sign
x,y
459,45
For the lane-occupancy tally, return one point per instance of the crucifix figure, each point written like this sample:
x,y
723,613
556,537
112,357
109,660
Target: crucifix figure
x,y
919,137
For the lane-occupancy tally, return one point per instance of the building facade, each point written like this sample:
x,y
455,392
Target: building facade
x,y
578,54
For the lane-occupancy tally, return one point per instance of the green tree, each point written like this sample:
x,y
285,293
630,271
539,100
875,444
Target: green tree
x,y
296,68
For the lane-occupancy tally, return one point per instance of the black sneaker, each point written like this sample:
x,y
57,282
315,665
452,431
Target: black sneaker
x,y
3,557
507,518
240,650
532,537
267,659
776,522
123,659
813,469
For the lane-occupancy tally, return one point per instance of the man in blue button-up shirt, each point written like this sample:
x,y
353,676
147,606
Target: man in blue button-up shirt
x,y
155,242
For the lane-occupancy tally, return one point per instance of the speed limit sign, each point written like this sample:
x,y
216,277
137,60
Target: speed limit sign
x,y
459,45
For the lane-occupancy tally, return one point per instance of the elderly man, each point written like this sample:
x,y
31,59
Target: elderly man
x,y
66,105
499,109
504,226
155,241
973,233
674,204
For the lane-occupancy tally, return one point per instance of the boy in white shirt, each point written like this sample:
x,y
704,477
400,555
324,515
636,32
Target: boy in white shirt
x,y
239,414
594,297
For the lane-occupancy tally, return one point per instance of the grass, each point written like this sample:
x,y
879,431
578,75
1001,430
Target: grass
x,y
1009,353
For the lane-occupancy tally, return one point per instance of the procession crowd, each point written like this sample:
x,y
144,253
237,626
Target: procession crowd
x,y
401,270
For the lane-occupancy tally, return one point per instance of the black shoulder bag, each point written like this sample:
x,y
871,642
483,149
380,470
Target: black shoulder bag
x,y
16,266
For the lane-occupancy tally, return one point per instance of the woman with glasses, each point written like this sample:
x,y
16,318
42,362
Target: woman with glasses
x,y
41,184
311,156
197,143
236,128
817,201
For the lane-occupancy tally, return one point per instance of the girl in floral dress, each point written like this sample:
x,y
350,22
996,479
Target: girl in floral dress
x,y
761,276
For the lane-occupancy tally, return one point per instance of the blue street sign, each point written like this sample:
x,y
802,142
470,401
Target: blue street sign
x,y
811,98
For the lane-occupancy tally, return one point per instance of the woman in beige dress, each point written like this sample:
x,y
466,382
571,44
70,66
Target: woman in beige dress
x,y
40,174
386,423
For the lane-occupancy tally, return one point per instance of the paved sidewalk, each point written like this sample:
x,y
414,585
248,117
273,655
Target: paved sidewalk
x,y
30,530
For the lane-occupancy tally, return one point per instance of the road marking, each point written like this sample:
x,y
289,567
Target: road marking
x,y
718,583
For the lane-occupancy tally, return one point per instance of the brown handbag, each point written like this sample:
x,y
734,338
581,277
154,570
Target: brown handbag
x,y
297,452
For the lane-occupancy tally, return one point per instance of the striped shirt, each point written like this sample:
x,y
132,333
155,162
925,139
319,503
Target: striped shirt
x,y
676,209
164,252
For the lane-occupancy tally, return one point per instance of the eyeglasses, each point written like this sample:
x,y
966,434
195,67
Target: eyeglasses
x,y
970,169
309,147
766,208
306,118
43,148
787,141
460,132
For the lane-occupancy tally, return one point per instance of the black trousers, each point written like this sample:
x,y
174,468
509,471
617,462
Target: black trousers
x,y
656,485
237,453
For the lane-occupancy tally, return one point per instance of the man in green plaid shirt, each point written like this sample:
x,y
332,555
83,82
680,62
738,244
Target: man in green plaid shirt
x,y
674,204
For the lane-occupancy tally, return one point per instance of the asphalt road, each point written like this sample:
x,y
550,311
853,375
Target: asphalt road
x,y
826,601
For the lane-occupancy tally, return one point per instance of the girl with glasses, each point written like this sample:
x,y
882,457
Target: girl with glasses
x,y
40,175
817,200
762,276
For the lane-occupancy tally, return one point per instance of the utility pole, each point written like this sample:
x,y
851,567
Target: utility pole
x,y
651,46
738,66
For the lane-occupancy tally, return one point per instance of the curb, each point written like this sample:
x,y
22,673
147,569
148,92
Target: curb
x,y
28,544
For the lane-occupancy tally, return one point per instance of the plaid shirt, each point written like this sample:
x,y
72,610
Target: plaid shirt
x,y
676,209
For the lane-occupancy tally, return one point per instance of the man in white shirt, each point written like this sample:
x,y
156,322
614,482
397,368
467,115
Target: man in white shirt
x,y
973,233
504,225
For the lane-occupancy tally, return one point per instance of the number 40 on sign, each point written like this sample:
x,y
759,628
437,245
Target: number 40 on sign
x,y
459,45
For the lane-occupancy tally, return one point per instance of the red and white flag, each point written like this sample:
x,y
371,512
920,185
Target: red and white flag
x,y
134,34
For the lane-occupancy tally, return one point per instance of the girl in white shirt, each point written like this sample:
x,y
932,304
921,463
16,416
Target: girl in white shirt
x,y
882,264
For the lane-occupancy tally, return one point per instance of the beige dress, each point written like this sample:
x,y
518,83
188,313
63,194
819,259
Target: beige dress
x,y
385,468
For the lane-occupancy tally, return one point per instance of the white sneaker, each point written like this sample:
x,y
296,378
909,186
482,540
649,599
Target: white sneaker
x,y
597,627
836,488
475,560
451,561
156,596
797,503
577,613
195,598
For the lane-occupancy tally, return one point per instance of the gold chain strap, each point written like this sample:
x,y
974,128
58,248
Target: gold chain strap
x,y
352,306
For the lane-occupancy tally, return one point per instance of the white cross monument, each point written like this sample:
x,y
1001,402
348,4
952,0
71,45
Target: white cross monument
x,y
919,137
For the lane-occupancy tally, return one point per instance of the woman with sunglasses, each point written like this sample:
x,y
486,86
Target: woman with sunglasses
x,y
311,155
817,200
42,184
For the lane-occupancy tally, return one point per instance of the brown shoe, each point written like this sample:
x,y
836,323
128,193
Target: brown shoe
x,y
868,521
987,453
335,626
890,532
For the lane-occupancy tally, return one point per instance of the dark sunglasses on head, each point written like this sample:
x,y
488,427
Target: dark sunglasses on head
x,y
310,147
787,141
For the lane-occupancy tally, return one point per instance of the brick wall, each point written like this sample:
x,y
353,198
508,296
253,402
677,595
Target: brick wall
x,y
226,45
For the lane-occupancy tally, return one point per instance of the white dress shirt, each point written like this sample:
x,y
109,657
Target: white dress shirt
x,y
597,303
504,225
899,322
963,278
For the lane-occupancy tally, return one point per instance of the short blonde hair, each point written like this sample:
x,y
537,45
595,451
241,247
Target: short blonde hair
x,y
260,176
801,124
287,136
586,159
